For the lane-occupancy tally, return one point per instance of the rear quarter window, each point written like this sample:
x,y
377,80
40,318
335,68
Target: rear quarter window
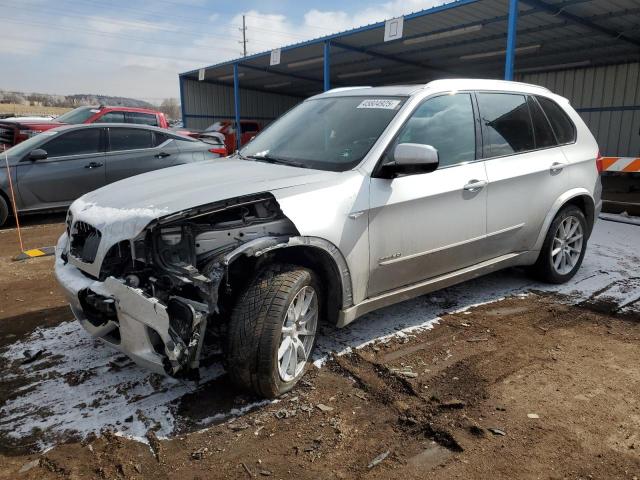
x,y
562,125
544,135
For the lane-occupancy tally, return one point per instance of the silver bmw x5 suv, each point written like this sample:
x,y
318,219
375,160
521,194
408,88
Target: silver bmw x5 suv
x,y
353,200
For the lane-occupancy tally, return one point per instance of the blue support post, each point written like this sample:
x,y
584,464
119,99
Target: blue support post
x,y
236,103
182,107
512,31
327,65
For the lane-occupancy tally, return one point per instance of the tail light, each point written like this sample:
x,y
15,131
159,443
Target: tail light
x,y
219,150
599,162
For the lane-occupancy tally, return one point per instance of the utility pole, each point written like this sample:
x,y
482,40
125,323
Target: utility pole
x,y
244,37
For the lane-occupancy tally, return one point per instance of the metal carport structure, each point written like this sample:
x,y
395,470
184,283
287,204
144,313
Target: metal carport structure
x,y
593,43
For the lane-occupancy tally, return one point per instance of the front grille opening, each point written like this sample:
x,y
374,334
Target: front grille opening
x,y
85,241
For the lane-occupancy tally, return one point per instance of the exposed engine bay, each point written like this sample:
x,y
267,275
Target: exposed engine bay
x,y
176,270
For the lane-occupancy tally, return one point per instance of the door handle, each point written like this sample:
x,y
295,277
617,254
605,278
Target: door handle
x,y
475,185
556,167
162,155
93,165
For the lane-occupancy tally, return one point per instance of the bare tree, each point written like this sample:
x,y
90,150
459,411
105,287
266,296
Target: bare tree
x,y
171,108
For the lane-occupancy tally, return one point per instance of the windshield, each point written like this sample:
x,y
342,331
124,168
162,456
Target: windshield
x,y
77,115
332,133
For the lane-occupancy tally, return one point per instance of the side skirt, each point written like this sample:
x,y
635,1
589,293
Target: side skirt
x,y
348,315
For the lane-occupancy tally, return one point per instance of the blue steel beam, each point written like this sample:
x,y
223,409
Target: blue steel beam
x,y
512,32
340,35
280,72
484,23
182,106
391,58
553,9
366,28
326,66
402,58
236,103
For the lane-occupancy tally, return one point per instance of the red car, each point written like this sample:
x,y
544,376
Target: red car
x,y
16,131
227,127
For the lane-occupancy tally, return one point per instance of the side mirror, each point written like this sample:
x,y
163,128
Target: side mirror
x,y
37,154
411,158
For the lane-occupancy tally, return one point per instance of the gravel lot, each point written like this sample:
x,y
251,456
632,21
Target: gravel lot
x,y
499,376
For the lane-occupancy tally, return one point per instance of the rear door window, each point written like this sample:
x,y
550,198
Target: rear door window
x,y
78,142
130,139
562,126
141,118
544,136
506,124
111,117
447,124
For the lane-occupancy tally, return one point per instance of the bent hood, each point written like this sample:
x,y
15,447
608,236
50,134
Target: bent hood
x,y
173,189
122,210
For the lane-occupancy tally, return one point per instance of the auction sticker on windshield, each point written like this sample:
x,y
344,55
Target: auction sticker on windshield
x,y
379,103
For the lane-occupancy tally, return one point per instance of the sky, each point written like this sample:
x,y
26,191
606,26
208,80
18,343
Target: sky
x,y
136,48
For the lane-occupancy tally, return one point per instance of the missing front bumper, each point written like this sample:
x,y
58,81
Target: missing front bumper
x,y
171,334
166,339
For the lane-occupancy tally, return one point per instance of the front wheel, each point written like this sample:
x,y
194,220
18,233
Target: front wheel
x,y
272,330
564,246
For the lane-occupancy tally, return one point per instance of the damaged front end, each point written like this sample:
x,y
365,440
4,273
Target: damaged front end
x,y
156,294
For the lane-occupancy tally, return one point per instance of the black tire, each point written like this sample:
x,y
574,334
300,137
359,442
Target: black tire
x,y
255,329
4,211
544,268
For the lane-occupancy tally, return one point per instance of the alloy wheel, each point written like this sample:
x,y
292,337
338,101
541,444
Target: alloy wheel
x,y
298,333
566,247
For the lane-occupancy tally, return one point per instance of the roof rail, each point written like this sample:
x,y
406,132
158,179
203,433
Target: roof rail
x,y
342,89
509,82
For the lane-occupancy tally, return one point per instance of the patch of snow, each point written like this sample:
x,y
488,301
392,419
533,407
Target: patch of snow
x,y
102,394
236,412
114,390
99,215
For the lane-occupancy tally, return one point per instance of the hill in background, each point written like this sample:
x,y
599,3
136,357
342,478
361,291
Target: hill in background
x,y
68,101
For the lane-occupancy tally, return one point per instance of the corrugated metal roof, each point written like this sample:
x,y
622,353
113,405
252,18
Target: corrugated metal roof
x,y
465,38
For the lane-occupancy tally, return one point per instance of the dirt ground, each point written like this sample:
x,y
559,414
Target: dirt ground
x,y
529,386
31,109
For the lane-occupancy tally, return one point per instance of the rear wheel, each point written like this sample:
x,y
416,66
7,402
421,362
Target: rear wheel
x,y
564,246
4,211
272,330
